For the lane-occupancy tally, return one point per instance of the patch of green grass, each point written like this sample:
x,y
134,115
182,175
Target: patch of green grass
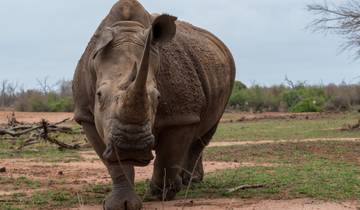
x,y
53,198
10,183
99,188
287,129
319,179
22,182
286,153
5,206
43,200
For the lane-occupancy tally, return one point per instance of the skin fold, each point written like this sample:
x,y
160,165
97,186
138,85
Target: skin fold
x,y
151,83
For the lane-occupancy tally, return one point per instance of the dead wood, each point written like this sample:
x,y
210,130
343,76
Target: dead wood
x,y
245,187
28,143
45,135
12,121
17,134
62,144
39,131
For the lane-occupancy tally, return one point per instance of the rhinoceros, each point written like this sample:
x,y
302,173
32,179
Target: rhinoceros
x,y
148,82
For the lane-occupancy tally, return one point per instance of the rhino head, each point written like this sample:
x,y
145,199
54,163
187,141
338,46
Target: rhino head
x,y
124,64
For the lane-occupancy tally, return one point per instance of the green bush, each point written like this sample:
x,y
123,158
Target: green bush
x,y
306,99
256,98
35,101
238,99
61,105
298,98
308,105
291,97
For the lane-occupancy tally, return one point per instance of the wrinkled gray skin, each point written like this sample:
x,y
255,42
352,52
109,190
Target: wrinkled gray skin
x,y
149,82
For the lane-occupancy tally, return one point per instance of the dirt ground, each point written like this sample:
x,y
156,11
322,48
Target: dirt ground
x,y
229,117
31,117
77,174
228,204
91,171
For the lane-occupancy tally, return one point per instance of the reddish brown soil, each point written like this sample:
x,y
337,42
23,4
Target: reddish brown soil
x,y
91,171
228,204
31,117
231,117
78,174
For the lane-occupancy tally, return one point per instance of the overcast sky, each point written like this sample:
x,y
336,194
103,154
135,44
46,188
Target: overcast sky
x,y
42,38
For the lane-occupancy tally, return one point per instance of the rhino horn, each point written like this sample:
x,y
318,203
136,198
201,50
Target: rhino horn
x,y
143,71
163,29
136,106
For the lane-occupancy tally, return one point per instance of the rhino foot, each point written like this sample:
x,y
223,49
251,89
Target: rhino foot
x,y
168,192
123,200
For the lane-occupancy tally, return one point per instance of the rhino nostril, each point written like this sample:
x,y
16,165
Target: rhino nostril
x,y
99,94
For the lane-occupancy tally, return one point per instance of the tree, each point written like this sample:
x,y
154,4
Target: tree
x,y
341,19
44,85
7,93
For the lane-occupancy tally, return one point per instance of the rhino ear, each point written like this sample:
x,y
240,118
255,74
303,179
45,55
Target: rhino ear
x,y
104,39
163,28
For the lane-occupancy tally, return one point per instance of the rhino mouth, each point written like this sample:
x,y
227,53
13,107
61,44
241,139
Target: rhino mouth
x,y
130,145
140,163
138,157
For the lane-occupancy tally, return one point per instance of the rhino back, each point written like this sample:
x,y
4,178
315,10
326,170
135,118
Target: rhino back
x,y
195,78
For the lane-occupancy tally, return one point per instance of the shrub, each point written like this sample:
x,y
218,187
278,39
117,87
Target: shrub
x,y
61,105
308,105
297,98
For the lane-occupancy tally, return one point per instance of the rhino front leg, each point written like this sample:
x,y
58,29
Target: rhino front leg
x,y
171,150
123,195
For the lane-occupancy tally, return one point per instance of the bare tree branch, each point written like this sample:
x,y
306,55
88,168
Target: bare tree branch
x,y
343,19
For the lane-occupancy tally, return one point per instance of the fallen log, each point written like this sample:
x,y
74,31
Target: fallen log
x,y
12,131
17,134
42,129
45,135
62,144
28,143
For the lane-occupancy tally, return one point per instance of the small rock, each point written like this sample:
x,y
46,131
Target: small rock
x,y
2,170
61,173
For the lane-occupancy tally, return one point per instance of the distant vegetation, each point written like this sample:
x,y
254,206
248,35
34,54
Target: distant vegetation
x,y
297,97
47,98
292,97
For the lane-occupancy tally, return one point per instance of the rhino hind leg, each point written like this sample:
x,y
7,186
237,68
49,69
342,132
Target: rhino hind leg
x,y
123,195
173,145
193,166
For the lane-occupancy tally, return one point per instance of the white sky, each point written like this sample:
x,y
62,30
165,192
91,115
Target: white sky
x,y
41,38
